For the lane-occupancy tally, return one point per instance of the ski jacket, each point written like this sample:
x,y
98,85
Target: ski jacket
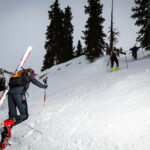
x,y
23,89
134,49
115,52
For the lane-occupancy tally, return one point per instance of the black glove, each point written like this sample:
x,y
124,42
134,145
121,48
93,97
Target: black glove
x,y
46,86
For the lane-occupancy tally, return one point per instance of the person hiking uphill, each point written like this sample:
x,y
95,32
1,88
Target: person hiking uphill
x,y
113,58
134,50
17,100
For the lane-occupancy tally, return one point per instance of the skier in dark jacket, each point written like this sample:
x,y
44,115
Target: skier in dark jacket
x,y
134,50
17,100
113,58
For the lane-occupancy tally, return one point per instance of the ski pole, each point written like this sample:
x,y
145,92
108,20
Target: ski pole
x,y
143,52
108,62
45,81
126,60
44,96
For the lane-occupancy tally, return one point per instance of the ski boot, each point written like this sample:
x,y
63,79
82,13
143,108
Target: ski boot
x,y
117,68
111,69
6,134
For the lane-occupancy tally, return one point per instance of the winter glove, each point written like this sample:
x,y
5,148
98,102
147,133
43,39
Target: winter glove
x,y
46,86
45,81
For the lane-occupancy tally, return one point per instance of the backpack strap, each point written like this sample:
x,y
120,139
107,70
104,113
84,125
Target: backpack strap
x,y
17,74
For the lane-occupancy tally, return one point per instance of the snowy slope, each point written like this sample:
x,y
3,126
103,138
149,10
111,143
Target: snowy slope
x,y
88,108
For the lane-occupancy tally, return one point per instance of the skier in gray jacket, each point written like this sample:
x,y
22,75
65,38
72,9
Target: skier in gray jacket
x,y
17,100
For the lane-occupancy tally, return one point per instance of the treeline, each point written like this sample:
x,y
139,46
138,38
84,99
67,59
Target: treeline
x,y
59,36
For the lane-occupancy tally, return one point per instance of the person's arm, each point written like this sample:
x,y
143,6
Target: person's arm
x,y
122,52
36,82
131,49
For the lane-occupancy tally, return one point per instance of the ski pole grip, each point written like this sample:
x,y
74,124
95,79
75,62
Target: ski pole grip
x,y
45,80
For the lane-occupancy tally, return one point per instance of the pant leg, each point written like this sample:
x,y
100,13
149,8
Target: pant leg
x,y
134,54
116,61
12,107
112,62
19,105
25,105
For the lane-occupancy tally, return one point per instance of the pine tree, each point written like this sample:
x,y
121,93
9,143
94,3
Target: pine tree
x,y
55,39
113,39
94,35
113,34
79,50
68,35
141,12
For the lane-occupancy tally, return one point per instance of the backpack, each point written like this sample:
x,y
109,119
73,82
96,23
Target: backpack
x,y
19,79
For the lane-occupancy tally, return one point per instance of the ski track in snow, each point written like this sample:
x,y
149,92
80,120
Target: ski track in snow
x,y
89,108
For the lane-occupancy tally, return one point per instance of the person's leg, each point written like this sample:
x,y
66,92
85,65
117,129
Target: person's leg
x,y
136,55
117,63
112,64
11,107
25,105
23,115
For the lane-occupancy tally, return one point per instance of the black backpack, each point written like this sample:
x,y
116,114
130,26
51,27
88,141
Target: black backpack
x,y
20,79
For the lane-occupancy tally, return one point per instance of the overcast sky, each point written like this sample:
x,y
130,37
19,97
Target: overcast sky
x,y
24,23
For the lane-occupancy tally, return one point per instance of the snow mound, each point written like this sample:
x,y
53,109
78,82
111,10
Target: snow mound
x,y
89,108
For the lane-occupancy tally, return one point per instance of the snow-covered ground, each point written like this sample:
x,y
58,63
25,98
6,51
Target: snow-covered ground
x,y
88,108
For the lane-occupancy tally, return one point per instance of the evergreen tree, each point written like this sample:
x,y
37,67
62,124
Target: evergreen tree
x,y
68,37
55,39
113,34
141,12
94,35
113,39
79,50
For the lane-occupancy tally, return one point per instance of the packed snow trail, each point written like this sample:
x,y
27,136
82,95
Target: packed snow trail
x,y
88,108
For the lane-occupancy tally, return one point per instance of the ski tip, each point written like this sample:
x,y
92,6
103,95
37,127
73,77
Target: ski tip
x,y
30,47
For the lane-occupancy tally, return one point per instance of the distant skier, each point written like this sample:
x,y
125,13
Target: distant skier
x,y
17,100
134,50
113,58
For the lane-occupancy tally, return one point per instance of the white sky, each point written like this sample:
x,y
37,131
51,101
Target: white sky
x,y
24,23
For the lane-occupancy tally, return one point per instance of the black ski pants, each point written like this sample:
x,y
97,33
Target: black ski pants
x,y
16,101
134,54
114,59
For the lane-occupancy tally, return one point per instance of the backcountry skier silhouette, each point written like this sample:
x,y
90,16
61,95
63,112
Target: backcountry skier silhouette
x,y
113,58
17,100
134,50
